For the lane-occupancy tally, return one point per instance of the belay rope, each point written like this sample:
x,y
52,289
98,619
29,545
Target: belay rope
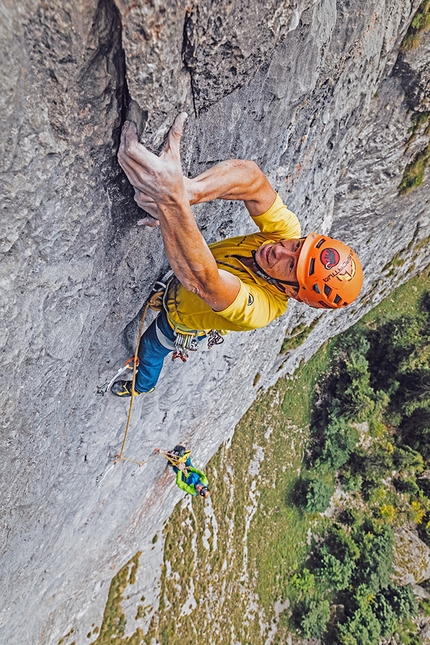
x,y
155,301
120,456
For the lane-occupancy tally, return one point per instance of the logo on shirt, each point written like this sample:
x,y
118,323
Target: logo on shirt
x,y
250,299
329,257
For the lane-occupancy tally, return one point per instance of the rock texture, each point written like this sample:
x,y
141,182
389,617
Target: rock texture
x,y
411,563
316,92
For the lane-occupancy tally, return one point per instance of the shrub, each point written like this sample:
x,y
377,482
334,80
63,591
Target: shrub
x,y
414,390
304,582
388,513
375,544
391,346
416,513
402,600
362,628
387,616
314,491
409,460
338,573
351,482
407,485
340,440
312,617
350,517
335,559
415,431
424,529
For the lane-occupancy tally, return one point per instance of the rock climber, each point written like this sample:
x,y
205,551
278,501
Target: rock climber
x,y
188,478
191,480
236,284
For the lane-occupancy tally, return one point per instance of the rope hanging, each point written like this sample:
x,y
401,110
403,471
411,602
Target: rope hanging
x,y
154,302
120,457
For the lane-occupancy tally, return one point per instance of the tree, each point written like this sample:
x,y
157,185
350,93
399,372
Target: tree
x,y
313,617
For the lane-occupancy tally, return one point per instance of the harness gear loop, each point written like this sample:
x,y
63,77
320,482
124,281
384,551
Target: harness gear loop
x,y
184,343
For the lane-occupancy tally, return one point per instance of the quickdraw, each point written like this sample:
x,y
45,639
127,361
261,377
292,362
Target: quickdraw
x,y
102,389
214,338
184,343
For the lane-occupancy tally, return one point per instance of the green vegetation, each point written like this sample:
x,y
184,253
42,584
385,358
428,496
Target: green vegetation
x,y
420,22
298,335
371,432
261,557
413,174
114,620
238,568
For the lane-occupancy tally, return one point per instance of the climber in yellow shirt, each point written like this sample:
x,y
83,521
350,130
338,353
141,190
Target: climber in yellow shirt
x,y
237,284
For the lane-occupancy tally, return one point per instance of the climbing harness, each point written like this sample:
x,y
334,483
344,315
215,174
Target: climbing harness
x,y
186,339
171,455
188,342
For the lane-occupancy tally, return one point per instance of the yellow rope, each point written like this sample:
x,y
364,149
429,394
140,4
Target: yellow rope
x,y
120,456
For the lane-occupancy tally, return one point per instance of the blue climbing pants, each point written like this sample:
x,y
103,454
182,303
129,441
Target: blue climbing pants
x,y
156,343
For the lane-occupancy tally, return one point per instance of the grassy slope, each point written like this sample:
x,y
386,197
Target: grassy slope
x,y
227,563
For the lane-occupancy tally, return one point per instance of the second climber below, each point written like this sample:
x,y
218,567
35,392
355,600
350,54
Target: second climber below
x,y
236,284
189,478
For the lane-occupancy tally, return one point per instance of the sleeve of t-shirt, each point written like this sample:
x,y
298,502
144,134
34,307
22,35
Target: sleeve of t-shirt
x,y
254,307
280,222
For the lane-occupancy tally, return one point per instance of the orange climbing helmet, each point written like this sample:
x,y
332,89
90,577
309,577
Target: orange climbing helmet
x,y
329,273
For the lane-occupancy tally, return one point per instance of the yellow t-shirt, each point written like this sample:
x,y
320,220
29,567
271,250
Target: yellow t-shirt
x,y
257,302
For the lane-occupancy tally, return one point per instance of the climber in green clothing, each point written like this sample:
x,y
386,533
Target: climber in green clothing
x,y
191,480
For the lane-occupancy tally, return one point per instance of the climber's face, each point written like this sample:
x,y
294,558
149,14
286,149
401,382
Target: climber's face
x,y
279,259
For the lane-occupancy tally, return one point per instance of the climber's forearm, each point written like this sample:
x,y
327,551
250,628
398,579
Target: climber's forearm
x,y
190,257
235,179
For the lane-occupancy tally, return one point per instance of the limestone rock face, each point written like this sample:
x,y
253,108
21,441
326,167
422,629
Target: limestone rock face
x,y
411,558
317,93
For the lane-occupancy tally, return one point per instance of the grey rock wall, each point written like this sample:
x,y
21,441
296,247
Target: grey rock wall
x,y
317,93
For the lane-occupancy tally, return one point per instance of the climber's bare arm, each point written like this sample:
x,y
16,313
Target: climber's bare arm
x,y
160,179
235,179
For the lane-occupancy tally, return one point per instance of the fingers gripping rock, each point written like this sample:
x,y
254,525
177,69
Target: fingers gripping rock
x,y
175,134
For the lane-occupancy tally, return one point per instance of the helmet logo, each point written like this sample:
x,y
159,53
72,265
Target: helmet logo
x,y
348,273
329,258
345,272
